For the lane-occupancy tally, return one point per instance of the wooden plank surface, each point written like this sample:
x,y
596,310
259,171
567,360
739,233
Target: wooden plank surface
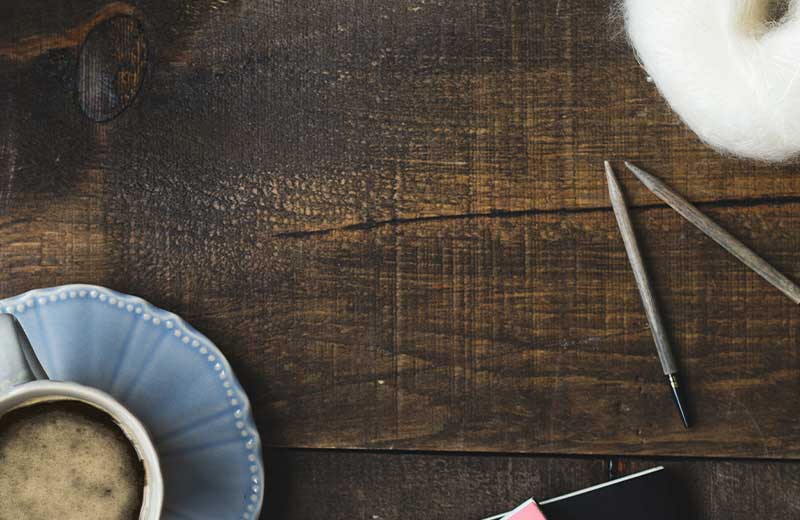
x,y
372,486
493,334
392,219
387,486
730,490
290,116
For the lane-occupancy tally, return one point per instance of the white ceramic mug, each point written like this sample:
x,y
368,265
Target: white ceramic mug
x,y
23,382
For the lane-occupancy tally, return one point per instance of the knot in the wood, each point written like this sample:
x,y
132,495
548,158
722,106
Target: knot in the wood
x,y
111,67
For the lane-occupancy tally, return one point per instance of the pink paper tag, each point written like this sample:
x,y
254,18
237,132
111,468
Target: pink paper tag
x,y
527,511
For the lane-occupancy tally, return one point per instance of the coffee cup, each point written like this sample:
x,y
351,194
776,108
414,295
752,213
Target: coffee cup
x,y
24,384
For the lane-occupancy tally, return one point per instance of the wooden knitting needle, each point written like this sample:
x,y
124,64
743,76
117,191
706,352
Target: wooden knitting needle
x,y
717,234
663,348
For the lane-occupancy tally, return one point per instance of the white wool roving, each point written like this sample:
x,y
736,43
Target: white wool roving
x,y
731,74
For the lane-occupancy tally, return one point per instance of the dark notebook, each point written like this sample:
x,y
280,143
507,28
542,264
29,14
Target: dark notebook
x,y
649,495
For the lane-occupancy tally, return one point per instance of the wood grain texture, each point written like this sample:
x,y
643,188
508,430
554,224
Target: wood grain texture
x,y
393,220
374,486
730,490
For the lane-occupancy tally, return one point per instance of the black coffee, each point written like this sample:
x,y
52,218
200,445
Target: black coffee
x,y
67,460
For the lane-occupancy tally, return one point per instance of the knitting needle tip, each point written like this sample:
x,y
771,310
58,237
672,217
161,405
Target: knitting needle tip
x,y
679,399
652,183
609,170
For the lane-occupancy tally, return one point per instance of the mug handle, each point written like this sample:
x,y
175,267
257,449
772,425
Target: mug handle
x,y
18,362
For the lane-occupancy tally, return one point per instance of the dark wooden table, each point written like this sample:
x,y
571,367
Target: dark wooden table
x,y
392,218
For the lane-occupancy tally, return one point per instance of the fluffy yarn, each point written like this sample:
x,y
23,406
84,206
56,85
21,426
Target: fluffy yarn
x,y
728,71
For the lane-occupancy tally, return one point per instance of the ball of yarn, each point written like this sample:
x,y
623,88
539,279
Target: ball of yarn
x,y
728,69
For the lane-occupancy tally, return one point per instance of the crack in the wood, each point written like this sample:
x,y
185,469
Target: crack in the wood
x,y
369,225
606,457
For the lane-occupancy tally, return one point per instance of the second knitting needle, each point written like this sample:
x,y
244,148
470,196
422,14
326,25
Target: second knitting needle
x,y
717,234
648,300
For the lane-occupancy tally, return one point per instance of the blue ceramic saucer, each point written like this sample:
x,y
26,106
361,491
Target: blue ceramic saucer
x,y
170,376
